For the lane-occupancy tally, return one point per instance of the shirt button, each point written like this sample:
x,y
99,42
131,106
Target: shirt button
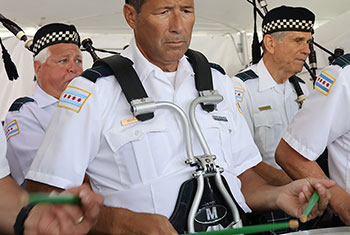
x,y
137,133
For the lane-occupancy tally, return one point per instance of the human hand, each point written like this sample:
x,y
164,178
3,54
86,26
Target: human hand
x,y
295,196
66,219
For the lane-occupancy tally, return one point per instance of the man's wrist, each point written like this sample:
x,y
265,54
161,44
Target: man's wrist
x,y
21,218
338,196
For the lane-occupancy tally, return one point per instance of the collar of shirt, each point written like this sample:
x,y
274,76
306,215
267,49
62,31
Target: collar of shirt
x,y
144,68
266,81
42,98
184,70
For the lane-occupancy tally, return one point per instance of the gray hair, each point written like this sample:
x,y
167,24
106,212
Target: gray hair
x,y
43,55
137,4
278,36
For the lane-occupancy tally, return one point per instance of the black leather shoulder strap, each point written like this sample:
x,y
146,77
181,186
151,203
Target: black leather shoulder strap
x,y
127,78
18,103
202,71
217,67
94,73
131,85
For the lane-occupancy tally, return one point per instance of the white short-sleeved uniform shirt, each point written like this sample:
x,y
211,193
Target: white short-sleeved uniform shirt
x,y
4,167
268,108
140,166
26,128
324,122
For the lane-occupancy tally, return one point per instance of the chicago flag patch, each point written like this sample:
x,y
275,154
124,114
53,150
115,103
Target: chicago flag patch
x,y
11,129
239,92
73,98
324,83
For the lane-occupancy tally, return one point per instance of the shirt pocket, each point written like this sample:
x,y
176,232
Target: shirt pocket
x,y
136,150
217,133
268,130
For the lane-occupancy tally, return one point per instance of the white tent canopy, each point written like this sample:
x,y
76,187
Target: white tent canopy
x,y
222,32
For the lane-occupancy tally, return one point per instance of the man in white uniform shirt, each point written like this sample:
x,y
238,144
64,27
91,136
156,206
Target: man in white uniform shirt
x,y
268,99
323,122
42,219
139,166
57,60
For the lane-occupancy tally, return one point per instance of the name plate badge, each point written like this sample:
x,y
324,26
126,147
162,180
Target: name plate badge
x,y
262,108
129,121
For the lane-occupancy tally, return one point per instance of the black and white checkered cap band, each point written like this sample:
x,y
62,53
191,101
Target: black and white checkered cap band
x,y
288,24
51,38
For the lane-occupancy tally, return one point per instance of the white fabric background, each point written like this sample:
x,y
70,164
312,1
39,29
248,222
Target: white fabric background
x,y
24,85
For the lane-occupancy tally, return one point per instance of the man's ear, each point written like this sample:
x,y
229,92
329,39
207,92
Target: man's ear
x,y
130,15
269,43
37,66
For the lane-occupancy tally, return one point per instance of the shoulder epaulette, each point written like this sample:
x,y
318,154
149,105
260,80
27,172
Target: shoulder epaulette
x,y
217,67
94,73
246,75
19,103
342,61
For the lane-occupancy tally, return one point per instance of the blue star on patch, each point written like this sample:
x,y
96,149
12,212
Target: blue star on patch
x,y
73,98
324,83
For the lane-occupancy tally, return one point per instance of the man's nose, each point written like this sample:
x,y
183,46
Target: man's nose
x,y
176,22
74,67
306,49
